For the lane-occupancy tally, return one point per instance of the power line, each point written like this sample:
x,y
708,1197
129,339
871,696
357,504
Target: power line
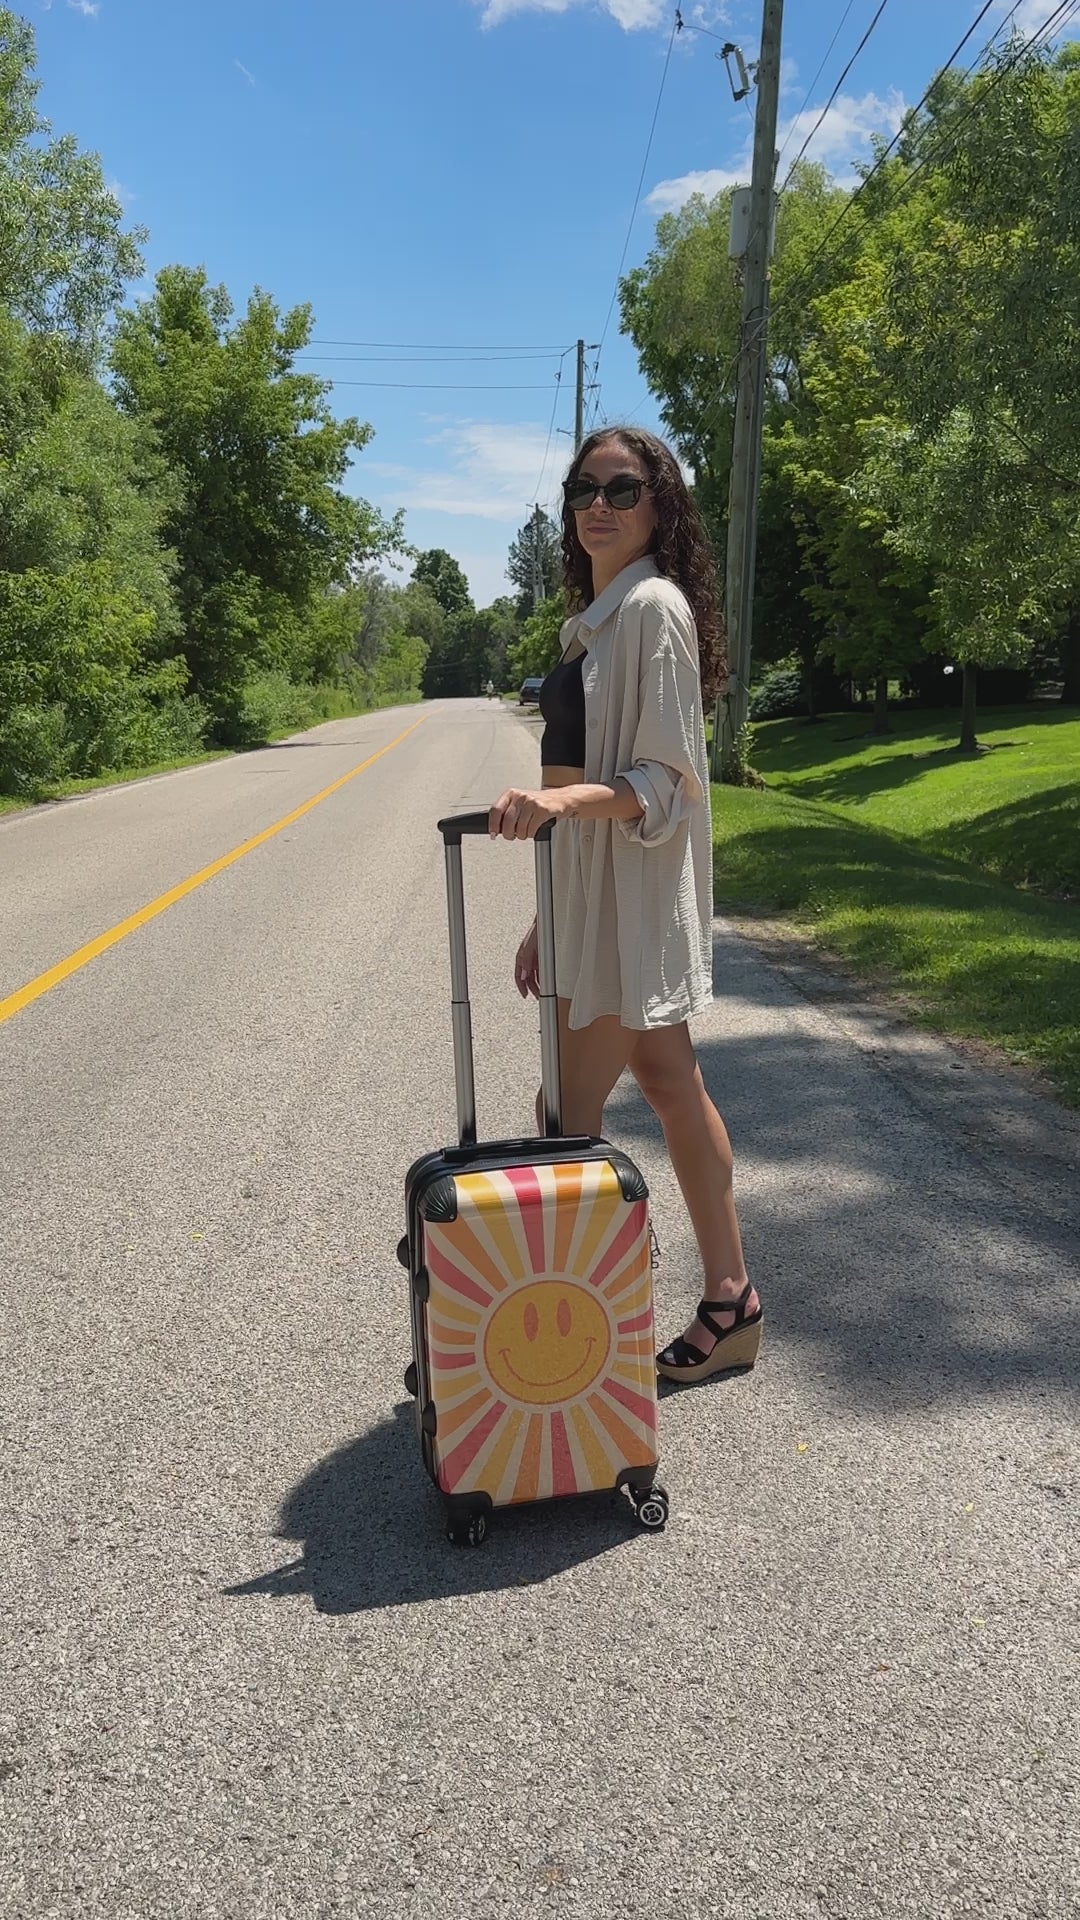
x,y
676,27
551,426
438,386
419,360
814,81
435,346
836,89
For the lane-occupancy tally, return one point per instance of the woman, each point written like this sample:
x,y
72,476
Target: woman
x,y
626,781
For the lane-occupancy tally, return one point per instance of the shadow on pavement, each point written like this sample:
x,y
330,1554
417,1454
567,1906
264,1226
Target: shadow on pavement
x,y
372,1532
888,1252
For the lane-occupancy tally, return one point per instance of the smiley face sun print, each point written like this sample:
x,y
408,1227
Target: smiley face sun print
x,y
541,1333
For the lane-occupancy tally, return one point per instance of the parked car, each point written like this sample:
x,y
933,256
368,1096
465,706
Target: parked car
x,y
530,691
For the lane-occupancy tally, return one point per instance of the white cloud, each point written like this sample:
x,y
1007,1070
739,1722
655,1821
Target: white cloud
x,y
89,8
846,131
842,139
488,472
669,195
630,14
1031,16
122,193
240,68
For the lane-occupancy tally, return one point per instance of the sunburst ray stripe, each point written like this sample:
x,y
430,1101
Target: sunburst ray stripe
x,y
442,1266
602,1459
636,1445
442,1335
635,1403
635,1269
453,1417
568,1181
563,1477
452,1362
602,1204
639,1369
453,1308
488,1203
450,1391
529,1195
639,1323
488,1469
528,1479
503,1494
624,1245
455,1463
468,1251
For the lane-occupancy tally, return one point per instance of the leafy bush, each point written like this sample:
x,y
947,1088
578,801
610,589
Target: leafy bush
x,y
71,665
779,695
34,751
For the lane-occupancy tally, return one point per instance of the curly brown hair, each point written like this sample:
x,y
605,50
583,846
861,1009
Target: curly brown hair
x,y
681,547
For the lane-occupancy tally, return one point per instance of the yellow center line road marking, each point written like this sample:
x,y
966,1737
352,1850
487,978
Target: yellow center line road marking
x,y
34,989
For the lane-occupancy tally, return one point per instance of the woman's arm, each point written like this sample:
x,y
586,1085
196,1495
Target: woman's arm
x,y
519,814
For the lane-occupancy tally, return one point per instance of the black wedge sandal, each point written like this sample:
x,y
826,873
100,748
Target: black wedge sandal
x,y
736,1346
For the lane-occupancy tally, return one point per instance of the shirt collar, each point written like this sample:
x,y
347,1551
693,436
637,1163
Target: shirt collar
x,y
615,593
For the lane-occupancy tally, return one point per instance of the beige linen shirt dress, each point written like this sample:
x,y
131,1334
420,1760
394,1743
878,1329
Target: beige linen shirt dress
x,y
633,901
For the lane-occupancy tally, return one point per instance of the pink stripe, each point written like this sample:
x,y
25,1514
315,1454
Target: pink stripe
x,y
530,1200
458,1462
446,1361
642,1409
621,1244
450,1276
563,1477
638,1324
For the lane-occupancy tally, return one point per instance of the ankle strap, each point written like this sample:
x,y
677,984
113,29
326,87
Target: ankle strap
x,y
708,1309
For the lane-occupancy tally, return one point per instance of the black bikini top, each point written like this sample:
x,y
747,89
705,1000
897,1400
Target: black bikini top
x,y
562,703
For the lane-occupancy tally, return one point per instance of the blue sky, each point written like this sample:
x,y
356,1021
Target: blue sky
x,y
456,176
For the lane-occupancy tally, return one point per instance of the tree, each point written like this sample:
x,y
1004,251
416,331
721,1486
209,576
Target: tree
x,y
264,526
960,503
535,561
64,257
537,648
440,573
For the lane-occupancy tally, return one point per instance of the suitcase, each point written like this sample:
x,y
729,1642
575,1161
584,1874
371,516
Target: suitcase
x,y
530,1267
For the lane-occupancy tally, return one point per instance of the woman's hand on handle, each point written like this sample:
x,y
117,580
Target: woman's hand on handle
x,y
527,966
519,815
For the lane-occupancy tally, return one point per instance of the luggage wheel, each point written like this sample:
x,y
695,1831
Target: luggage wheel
x,y
650,1506
467,1529
412,1379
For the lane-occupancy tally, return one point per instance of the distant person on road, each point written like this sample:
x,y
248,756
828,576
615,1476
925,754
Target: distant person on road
x,y
489,688
625,778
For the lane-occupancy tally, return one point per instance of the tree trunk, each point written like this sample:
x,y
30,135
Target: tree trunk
x,y
881,704
968,741
1070,660
806,661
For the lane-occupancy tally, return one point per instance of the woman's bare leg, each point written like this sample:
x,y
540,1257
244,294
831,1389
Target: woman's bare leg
x,y
664,1065
591,1060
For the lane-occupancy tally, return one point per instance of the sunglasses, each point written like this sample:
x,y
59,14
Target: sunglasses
x,y
622,493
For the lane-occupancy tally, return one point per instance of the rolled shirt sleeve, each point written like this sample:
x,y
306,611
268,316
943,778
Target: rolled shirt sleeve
x,y
663,772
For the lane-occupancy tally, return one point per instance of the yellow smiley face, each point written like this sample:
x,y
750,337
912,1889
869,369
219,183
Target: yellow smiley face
x,y
547,1342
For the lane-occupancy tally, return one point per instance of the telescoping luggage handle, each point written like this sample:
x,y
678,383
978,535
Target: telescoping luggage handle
x,y
453,830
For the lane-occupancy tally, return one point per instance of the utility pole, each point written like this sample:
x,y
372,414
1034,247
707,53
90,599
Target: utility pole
x,y
579,409
731,711
537,571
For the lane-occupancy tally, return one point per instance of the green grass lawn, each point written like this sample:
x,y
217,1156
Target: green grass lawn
x,y
919,869
1013,810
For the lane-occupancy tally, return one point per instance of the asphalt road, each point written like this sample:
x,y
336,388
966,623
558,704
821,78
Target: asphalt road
x,y
241,1671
